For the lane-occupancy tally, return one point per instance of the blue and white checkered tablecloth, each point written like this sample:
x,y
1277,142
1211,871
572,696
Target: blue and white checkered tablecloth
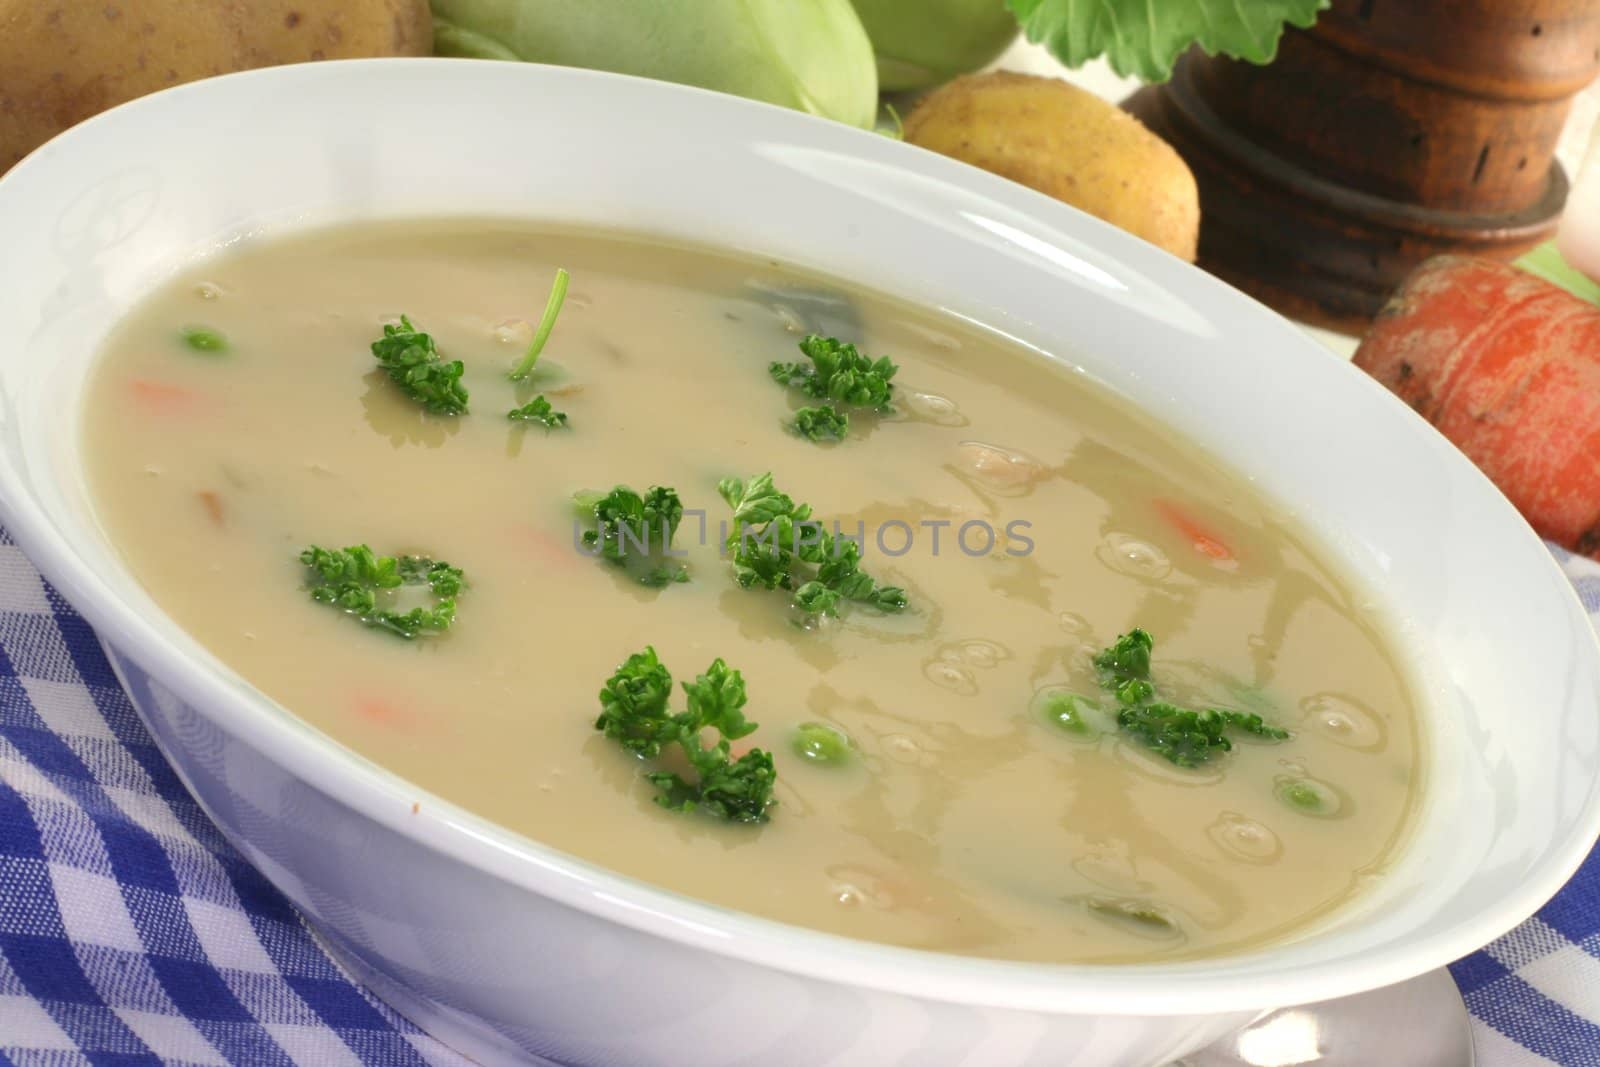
x,y
131,933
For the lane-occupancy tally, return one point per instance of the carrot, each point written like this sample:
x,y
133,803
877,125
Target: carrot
x,y
213,505
1507,366
546,546
1205,542
160,398
380,711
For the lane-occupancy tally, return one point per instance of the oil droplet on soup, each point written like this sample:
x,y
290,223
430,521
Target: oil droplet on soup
x,y
1133,556
934,408
985,790
1344,720
1245,839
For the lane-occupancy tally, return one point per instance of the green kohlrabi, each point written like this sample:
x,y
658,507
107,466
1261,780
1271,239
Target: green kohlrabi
x,y
812,55
924,42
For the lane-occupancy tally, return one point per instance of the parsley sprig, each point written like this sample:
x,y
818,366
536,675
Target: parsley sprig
x,y
413,363
539,410
821,424
352,580
547,322
841,375
776,544
1186,737
634,713
635,531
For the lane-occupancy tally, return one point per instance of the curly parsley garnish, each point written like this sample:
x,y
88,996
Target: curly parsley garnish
x,y
634,713
413,363
1184,736
352,580
539,410
837,373
840,373
821,424
635,531
776,544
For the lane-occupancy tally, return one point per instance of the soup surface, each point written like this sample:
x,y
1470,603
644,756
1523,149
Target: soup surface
x,y
1030,516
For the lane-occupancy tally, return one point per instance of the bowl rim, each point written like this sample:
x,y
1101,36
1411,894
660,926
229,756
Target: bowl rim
x,y
1187,988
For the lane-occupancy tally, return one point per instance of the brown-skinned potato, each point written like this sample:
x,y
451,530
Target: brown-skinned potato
x,y
62,61
1069,144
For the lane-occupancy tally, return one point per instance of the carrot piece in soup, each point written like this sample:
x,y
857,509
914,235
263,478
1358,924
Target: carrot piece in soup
x,y
161,398
213,505
1205,542
381,711
547,546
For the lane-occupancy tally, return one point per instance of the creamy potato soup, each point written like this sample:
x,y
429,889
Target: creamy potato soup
x,y
963,755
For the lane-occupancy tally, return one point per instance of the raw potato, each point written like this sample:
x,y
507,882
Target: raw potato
x,y
62,61
1069,144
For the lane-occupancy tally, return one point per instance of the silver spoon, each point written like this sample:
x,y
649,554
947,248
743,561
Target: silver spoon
x,y
1420,1023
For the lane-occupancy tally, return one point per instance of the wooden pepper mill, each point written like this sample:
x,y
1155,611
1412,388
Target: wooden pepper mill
x,y
1390,131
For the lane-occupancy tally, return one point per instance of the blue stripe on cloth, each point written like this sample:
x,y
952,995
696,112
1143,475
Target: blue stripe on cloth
x,y
125,978
33,942
1476,971
18,834
49,969
342,1007
83,651
1536,1022
200,995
